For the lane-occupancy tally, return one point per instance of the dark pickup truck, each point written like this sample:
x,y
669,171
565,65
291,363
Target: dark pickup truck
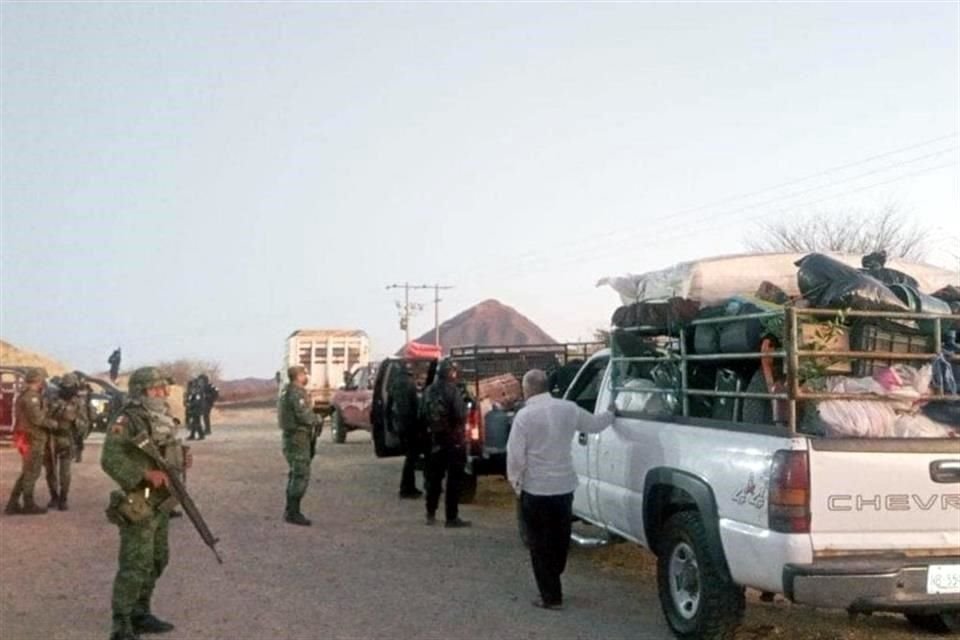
x,y
490,377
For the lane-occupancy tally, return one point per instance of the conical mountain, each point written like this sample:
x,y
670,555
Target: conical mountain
x,y
489,323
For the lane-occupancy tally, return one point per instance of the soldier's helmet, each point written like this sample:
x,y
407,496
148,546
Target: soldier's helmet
x,y
35,375
69,381
146,378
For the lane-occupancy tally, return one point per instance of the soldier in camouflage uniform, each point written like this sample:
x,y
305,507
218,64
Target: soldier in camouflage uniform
x,y
69,411
142,505
300,426
445,415
31,433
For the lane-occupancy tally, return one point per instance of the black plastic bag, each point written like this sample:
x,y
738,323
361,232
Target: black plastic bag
x,y
667,315
874,265
830,284
949,293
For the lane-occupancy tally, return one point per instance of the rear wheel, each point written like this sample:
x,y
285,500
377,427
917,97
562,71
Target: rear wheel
x,y
943,623
339,428
699,598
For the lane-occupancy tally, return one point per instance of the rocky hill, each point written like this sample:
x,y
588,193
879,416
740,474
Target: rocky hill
x,y
11,356
489,323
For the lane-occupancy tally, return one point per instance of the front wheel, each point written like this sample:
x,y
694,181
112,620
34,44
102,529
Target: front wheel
x,y
944,623
339,428
699,599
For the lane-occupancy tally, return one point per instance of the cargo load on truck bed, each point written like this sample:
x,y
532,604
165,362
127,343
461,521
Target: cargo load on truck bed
x,y
834,350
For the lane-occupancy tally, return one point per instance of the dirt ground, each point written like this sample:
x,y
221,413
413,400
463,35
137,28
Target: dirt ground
x,y
368,568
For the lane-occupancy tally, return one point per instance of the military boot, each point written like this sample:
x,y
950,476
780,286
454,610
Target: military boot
x,y
54,500
293,515
12,508
31,508
62,501
149,623
123,630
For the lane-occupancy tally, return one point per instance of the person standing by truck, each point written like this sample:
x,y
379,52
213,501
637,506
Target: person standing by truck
x,y
445,415
540,468
300,428
403,410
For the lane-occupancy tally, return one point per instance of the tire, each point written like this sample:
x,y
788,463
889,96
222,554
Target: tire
x,y
757,411
339,428
709,606
947,623
468,490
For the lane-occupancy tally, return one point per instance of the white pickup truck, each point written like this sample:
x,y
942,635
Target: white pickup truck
x,y
866,525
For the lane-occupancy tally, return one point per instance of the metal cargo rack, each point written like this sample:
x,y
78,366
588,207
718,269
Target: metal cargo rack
x,y
790,355
479,362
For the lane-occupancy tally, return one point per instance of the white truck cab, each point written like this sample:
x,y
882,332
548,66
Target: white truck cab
x,y
858,524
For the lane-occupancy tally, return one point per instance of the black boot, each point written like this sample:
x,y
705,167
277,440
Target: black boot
x,y
12,508
31,508
54,500
149,623
62,501
123,630
293,515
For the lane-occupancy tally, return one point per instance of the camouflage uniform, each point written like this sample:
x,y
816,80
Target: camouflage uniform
x,y
297,422
70,413
31,433
445,414
144,547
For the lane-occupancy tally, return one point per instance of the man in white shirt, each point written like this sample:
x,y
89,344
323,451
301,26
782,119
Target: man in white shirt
x,y
540,468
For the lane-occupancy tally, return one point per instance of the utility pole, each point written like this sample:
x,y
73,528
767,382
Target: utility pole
x,y
436,311
407,309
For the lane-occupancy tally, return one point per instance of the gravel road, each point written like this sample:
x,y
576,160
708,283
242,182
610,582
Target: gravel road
x,y
368,568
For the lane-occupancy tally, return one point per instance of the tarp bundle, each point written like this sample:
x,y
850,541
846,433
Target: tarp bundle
x,y
714,280
418,350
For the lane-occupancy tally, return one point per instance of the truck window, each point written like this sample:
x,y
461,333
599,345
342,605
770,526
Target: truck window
x,y
642,387
586,389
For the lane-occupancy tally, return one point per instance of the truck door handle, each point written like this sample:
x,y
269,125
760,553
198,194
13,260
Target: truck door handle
x,y
945,471
582,439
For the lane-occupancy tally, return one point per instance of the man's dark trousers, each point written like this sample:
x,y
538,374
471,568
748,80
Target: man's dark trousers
x,y
445,461
548,520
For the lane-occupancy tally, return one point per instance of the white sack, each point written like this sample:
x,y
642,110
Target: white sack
x,y
713,280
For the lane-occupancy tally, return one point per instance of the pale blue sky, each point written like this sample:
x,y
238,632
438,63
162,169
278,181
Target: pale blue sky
x,y
199,180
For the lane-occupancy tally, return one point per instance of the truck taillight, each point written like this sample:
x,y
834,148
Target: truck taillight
x,y
473,424
789,496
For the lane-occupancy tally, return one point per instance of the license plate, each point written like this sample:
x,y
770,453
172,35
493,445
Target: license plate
x,y
943,578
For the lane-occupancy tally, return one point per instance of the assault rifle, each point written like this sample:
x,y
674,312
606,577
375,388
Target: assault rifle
x,y
318,428
179,491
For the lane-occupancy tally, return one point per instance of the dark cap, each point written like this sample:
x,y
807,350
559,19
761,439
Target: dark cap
x,y
294,371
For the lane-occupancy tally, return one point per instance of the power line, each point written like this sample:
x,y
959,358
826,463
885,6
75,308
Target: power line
x,y
407,308
584,258
678,214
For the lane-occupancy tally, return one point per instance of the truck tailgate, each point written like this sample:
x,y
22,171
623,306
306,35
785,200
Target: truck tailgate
x,y
884,496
